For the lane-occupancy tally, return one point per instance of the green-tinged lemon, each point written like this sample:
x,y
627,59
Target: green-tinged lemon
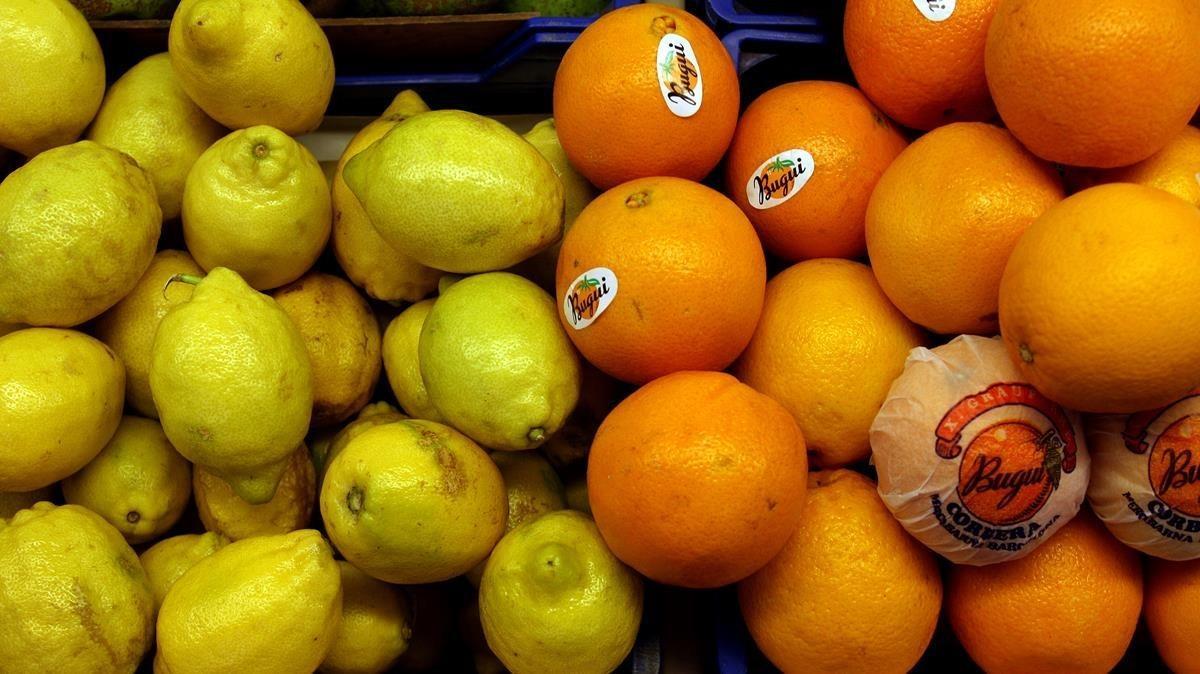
x,y
402,362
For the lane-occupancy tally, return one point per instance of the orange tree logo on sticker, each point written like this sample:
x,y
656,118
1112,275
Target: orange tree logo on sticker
x,y
779,178
588,296
679,75
1171,435
1017,446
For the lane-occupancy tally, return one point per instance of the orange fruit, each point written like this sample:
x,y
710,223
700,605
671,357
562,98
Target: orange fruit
x,y
1069,606
802,165
827,348
850,592
893,44
671,273
1173,612
624,106
940,259
1098,83
1174,169
1098,301
697,479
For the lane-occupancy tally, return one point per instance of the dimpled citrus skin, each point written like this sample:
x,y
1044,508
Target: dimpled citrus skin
x,y
608,103
1172,169
376,625
696,479
1173,612
944,218
54,79
1097,83
851,143
850,592
60,402
266,604
73,595
889,44
1097,294
78,226
375,414
401,360
167,560
289,509
1071,605
827,348
128,327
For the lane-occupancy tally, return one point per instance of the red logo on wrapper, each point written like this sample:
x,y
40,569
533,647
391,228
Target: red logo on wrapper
x,y
1172,437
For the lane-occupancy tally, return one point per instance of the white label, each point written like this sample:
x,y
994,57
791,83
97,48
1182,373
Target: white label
x,y
679,75
588,296
935,10
779,178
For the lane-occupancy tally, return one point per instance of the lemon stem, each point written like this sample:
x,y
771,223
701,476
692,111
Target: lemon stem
x,y
190,279
536,434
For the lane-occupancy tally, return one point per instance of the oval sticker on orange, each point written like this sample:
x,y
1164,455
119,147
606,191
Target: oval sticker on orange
x,y
779,178
588,296
935,10
679,75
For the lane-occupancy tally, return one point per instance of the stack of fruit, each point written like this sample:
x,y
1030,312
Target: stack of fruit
x,y
1008,353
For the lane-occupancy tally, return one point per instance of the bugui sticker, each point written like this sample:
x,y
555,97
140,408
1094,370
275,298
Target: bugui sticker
x,y
588,296
779,178
935,10
679,75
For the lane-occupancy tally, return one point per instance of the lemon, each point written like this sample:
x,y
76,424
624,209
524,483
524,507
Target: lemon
x,y
372,263
497,363
375,414
73,595
577,495
78,226
138,482
167,560
375,628
318,448
128,327
554,598
249,63
342,338
458,192
147,115
60,402
401,361
232,383
413,502
289,509
11,502
257,203
265,604
53,76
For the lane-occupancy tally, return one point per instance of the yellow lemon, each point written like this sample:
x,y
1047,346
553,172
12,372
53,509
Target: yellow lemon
x,y
402,362
375,628
289,509
12,502
375,414
138,482
167,560
60,402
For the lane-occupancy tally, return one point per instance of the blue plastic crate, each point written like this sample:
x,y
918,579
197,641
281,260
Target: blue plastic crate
x,y
727,15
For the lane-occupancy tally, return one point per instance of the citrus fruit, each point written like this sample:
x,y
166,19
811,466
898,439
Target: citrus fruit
x,y
889,44
1173,169
940,259
12,502
375,414
128,327
1070,606
138,482
696,479
167,560
802,165
375,628
401,361
827,347
266,604
1172,599
413,502
1132,84
53,81
660,275
1096,295
59,405
553,598
257,175
289,509
73,595
850,592
148,116
78,227
973,461
645,90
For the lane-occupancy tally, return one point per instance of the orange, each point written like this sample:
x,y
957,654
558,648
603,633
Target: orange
x,y
802,165
671,273
1071,605
923,66
1174,169
850,592
944,218
1098,83
827,348
1098,301
624,106
696,479
1173,612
